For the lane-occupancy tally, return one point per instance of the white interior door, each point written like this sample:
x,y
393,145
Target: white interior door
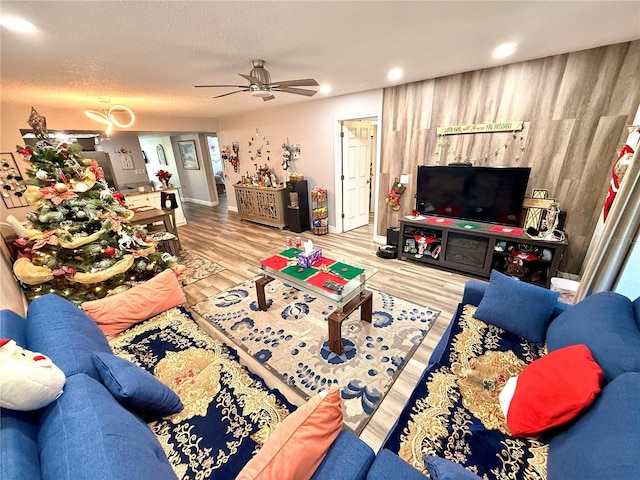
x,y
356,168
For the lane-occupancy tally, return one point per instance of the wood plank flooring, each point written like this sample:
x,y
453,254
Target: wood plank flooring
x,y
222,237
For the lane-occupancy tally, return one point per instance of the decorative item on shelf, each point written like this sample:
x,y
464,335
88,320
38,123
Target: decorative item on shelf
x,y
457,157
230,153
164,177
536,205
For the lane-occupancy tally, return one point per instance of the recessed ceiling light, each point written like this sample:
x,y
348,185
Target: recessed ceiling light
x,y
325,89
17,24
395,74
504,50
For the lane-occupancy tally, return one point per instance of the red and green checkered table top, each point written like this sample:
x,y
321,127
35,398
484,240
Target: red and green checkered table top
x,y
286,262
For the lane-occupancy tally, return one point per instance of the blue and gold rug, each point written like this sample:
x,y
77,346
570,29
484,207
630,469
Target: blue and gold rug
x,y
291,340
228,411
454,411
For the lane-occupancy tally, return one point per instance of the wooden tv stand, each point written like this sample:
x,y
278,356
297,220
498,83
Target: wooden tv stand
x,y
477,248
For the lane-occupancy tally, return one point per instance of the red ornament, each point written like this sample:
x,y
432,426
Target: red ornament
x,y
110,251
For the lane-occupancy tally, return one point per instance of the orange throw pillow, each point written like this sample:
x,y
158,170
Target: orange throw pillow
x,y
116,313
297,446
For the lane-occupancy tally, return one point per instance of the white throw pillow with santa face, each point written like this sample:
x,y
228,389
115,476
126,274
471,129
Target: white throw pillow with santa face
x,y
29,380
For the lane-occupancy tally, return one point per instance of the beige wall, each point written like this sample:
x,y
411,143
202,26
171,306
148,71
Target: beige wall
x,y
310,124
575,106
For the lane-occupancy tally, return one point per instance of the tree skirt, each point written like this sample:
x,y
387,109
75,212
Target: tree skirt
x,y
291,339
228,411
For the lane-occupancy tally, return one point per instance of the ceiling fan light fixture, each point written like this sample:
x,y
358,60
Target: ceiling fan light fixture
x,y
325,89
260,92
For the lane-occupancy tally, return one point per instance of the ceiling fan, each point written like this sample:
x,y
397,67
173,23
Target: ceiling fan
x,y
260,84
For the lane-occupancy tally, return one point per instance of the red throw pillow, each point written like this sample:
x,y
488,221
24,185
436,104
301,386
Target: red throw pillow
x,y
553,390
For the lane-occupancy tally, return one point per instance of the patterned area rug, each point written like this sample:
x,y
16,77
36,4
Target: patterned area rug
x,y
291,339
228,411
197,267
454,411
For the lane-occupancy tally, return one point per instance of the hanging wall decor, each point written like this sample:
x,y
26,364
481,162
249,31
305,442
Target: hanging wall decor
x,y
11,187
231,154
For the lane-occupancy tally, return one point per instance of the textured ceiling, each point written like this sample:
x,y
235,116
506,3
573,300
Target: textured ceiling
x,y
148,55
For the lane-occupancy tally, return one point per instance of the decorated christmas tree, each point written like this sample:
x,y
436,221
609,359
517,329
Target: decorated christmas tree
x,y
78,242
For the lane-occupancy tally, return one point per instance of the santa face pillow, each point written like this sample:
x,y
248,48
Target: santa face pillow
x,y
29,380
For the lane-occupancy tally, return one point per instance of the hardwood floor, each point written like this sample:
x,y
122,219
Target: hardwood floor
x,y
222,237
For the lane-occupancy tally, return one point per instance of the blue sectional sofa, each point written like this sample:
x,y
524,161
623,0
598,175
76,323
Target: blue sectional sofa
x,y
601,442
86,433
79,435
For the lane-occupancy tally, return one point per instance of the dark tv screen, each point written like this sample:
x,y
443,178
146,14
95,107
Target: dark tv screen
x,y
485,194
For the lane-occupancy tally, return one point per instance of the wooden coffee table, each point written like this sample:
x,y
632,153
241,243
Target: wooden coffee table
x,y
351,294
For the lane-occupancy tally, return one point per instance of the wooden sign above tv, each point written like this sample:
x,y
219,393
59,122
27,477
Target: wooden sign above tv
x,y
481,128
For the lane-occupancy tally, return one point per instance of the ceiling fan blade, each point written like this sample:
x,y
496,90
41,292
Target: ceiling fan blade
x,y
228,86
297,91
270,97
253,80
230,93
305,82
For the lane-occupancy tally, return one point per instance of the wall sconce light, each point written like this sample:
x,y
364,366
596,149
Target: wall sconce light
x,y
108,117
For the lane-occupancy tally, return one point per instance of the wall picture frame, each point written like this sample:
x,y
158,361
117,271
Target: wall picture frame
x,y
162,158
188,154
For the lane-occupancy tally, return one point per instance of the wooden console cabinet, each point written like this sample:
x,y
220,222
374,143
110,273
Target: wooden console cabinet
x,y
453,245
262,205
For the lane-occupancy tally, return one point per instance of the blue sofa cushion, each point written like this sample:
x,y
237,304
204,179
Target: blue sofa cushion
x,y
518,307
443,469
86,433
349,458
63,332
13,326
135,388
388,465
18,445
605,323
636,311
605,441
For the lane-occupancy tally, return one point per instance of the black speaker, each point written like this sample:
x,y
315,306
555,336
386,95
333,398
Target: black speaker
x,y
562,218
393,234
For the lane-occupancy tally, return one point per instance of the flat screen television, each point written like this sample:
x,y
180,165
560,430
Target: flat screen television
x,y
486,194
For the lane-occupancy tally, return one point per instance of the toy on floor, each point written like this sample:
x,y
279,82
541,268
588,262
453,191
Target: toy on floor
x,y
393,199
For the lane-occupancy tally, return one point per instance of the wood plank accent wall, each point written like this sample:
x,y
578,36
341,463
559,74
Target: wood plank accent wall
x,y
575,107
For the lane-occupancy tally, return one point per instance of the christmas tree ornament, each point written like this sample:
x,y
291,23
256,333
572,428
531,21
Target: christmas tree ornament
x,y
42,175
38,124
60,187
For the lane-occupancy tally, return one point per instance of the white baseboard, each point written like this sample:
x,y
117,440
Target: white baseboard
x,y
382,240
232,208
200,202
